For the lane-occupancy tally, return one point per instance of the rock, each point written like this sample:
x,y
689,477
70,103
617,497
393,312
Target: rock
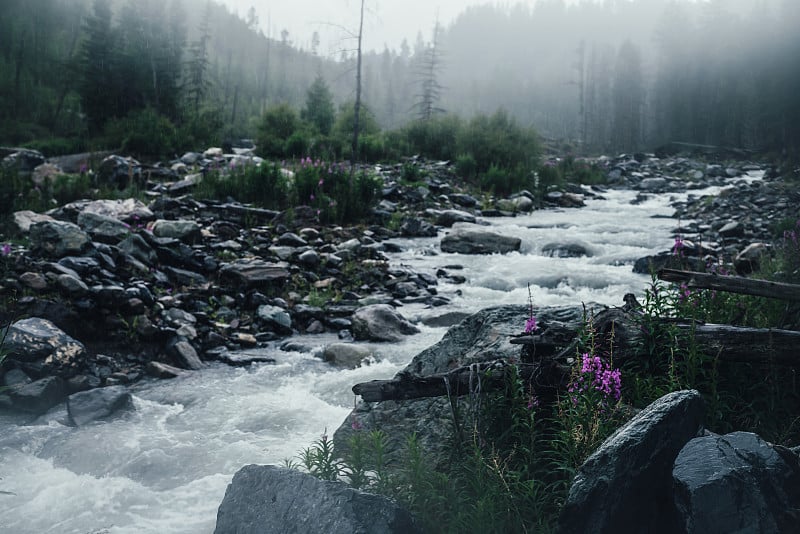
x,y
749,259
243,359
58,239
461,199
71,286
289,239
565,250
24,160
483,336
45,174
346,355
103,228
415,227
95,404
184,354
380,322
119,172
163,370
15,378
254,274
127,210
276,317
25,218
448,218
737,483
653,185
183,230
469,241
40,395
40,347
275,499
135,246
35,281
626,485
732,229
309,258
520,204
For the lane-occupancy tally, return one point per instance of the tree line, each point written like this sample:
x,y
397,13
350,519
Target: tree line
x,y
612,76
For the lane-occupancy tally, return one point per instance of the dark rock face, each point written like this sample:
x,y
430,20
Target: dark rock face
x,y
380,322
87,406
480,337
625,485
267,498
40,395
254,273
468,241
58,238
41,348
737,483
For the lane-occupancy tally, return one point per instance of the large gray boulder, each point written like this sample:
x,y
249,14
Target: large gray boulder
x,y
264,499
380,322
40,395
184,230
58,238
40,348
96,404
347,355
737,483
625,486
103,228
473,241
254,274
483,336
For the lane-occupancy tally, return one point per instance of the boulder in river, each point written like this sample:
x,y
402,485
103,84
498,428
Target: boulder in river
x,y
473,241
266,498
40,348
96,404
380,322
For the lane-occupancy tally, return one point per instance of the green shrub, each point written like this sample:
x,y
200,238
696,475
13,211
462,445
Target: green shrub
x,y
277,126
498,140
436,138
296,145
337,194
466,166
505,181
143,133
264,185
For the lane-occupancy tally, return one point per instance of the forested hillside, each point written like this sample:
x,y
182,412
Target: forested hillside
x,y
608,76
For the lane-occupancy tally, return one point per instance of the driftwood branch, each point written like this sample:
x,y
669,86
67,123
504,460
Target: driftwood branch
x,y
732,284
461,381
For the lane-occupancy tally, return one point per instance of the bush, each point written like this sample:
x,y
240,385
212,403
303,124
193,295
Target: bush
x,y
466,166
498,140
277,126
264,185
505,181
435,138
144,133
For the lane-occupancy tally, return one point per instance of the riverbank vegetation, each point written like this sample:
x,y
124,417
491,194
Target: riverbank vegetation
x,y
515,451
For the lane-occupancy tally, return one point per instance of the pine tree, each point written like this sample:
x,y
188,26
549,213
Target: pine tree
x,y
198,76
98,89
430,94
319,109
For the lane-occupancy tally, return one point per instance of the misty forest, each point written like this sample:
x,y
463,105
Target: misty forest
x,y
607,76
535,269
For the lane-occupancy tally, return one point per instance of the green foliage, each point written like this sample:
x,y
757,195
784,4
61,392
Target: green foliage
x,y
145,133
435,138
319,110
505,181
498,140
367,123
264,185
337,194
466,166
278,124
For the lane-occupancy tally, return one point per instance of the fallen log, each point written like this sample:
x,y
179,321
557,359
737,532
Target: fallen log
x,y
486,376
749,345
732,284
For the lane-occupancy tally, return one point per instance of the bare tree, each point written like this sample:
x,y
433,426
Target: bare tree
x,y
357,109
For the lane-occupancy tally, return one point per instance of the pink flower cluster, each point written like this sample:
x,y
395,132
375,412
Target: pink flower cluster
x,y
597,374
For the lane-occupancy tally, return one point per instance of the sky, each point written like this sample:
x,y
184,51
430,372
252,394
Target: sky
x,y
385,21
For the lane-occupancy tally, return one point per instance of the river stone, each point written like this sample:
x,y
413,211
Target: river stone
x,y
448,218
40,395
480,337
127,210
380,322
416,227
71,286
184,230
254,274
163,370
462,199
35,281
346,355
103,228
517,204
182,352
732,229
135,246
25,218
565,250
625,486
276,317
749,259
653,184
289,239
267,498
469,241
39,346
737,483
95,404
58,238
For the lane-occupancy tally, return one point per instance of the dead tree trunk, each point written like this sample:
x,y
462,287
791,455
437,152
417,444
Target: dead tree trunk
x,y
732,284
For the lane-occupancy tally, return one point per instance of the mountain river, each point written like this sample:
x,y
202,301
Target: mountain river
x,y
163,468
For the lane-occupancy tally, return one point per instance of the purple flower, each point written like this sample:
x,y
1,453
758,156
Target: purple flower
x,y
321,181
356,425
530,325
533,402
677,248
312,197
6,250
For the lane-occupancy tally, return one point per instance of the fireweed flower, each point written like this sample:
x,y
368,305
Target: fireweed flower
x,y
530,325
677,248
595,374
6,250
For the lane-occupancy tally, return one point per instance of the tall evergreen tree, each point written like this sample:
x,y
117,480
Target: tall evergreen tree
x,y
198,81
319,109
430,90
98,89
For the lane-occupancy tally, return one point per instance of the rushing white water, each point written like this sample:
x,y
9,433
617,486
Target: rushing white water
x,y
164,467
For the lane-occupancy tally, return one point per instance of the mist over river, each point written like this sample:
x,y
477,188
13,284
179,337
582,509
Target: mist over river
x,y
164,467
